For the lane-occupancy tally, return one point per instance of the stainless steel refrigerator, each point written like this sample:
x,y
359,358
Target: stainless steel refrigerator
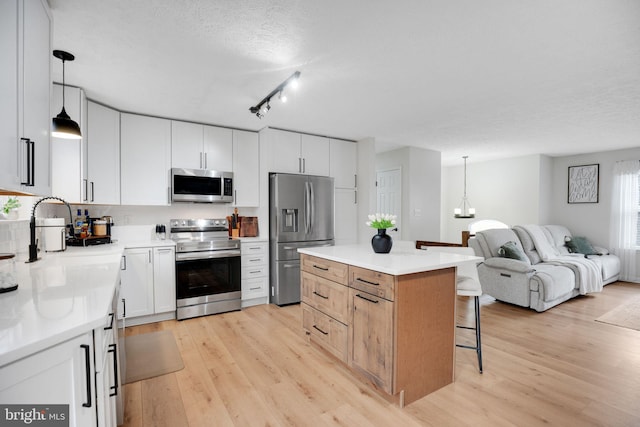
x,y
300,215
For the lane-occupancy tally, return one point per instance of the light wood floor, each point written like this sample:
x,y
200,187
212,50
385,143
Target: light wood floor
x,y
255,368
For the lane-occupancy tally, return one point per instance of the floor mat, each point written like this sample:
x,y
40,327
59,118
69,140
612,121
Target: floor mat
x,y
627,315
152,354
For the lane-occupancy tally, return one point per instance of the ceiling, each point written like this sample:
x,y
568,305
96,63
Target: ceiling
x,y
489,79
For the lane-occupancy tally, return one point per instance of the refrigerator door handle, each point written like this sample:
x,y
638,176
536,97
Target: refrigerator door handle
x,y
312,207
307,207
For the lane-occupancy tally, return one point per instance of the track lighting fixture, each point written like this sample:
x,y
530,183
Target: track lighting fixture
x,y
62,125
262,107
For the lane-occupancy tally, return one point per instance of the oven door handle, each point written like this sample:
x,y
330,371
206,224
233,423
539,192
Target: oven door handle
x,y
206,255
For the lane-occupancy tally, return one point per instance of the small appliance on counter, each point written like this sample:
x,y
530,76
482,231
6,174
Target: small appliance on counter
x,y
8,280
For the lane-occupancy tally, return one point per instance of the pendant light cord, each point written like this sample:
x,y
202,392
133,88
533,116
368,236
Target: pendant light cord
x,y
63,83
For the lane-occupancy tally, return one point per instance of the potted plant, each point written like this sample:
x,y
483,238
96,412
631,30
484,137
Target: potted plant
x,y
10,208
381,242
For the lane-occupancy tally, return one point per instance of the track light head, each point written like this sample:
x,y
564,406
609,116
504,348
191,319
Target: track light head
x,y
262,107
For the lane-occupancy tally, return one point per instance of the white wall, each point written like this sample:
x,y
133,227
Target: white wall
x,y
587,219
507,190
421,180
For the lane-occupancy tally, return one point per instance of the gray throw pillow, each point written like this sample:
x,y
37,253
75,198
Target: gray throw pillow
x,y
580,245
511,250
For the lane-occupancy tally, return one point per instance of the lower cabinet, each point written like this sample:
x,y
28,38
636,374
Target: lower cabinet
x,y
254,264
396,332
81,372
148,284
372,337
63,374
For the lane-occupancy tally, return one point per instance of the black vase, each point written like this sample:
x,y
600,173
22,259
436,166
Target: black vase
x,y
381,242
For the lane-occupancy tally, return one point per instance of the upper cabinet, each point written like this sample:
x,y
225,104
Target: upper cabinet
x,y
101,182
196,146
25,79
246,168
291,152
67,154
145,160
343,164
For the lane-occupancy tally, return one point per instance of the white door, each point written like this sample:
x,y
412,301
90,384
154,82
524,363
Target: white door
x,y
389,196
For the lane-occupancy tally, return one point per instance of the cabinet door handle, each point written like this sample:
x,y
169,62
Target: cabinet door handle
x,y
256,288
367,299
114,387
30,178
201,160
321,331
300,164
319,267
304,165
86,189
123,264
358,279
92,191
110,323
205,160
87,365
320,295
124,308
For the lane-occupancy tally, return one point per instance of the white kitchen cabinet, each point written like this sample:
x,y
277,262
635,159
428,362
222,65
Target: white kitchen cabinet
x,y
254,263
246,169
25,76
67,154
291,152
149,284
218,148
101,183
63,374
314,152
343,163
137,282
164,280
346,216
196,146
283,150
145,160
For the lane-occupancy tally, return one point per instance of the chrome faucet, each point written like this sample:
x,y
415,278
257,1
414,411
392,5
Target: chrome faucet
x,y
33,243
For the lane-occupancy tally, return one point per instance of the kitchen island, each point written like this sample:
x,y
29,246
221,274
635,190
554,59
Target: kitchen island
x,y
389,317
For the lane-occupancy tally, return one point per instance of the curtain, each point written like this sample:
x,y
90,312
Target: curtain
x,y
624,217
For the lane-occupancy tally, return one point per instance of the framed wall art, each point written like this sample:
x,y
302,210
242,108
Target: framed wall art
x,y
584,183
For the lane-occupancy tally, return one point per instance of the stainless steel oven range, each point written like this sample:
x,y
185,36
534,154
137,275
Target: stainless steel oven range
x,y
207,267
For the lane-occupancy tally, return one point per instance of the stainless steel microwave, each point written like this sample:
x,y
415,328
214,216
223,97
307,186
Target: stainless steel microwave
x,y
201,185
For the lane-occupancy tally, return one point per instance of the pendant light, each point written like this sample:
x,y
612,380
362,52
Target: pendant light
x,y
464,210
63,126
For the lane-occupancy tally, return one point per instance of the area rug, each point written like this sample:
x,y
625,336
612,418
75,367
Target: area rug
x,y
152,354
626,316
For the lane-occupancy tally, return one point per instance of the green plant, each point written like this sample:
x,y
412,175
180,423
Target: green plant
x,y
11,203
381,220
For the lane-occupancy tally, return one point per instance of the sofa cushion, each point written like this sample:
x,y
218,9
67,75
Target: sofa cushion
x,y
489,241
527,245
580,245
556,235
513,251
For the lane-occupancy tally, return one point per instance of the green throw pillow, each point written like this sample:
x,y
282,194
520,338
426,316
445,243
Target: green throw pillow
x,y
511,250
580,245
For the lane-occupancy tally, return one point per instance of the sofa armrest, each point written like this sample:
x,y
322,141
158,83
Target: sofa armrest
x,y
508,264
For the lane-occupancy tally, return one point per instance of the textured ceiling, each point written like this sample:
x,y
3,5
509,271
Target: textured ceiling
x,y
489,79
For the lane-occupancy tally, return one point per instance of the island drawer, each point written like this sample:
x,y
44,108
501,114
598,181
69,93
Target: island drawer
x,y
335,271
373,282
329,297
325,331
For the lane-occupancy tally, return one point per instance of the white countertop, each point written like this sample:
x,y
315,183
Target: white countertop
x,y
59,297
403,258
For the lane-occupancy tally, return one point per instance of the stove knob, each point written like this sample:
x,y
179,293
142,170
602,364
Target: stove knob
x,y
184,223
216,222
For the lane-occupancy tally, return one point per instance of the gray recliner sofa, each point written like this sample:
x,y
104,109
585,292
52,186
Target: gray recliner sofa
x,y
532,282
